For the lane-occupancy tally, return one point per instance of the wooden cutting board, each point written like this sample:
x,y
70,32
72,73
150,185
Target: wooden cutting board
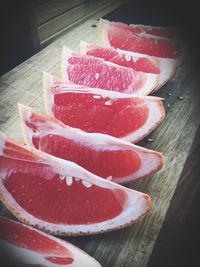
x,y
133,245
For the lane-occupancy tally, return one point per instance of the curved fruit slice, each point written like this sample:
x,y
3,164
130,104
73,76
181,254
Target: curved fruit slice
x,y
162,31
118,37
95,72
139,62
142,63
100,154
93,110
61,197
26,245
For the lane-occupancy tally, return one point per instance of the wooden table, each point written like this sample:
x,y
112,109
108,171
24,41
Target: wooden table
x,y
156,239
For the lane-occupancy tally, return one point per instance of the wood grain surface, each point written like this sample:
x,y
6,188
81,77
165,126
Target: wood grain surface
x,y
178,240
133,245
57,25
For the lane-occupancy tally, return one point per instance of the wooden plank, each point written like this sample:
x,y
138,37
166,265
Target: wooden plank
x,y
46,10
52,29
178,241
133,245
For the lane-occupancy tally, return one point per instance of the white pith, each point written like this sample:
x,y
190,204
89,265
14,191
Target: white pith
x,y
152,36
168,69
150,27
80,258
137,203
103,32
150,80
69,180
156,115
48,80
150,84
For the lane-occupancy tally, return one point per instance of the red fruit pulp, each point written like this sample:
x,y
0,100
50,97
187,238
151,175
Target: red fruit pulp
x,y
140,64
30,239
159,31
91,72
104,163
59,260
116,117
42,192
126,40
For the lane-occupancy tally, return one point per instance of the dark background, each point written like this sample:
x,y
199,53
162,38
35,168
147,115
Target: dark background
x,y
184,15
19,38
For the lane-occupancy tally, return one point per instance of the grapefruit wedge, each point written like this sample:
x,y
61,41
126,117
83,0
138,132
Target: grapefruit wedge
x,y
26,246
95,72
124,116
140,62
112,35
160,31
61,197
100,154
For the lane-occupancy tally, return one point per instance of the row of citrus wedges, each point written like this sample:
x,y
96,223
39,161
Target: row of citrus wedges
x,y
55,183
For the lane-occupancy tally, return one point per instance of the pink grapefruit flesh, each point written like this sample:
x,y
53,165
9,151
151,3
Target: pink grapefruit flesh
x,y
162,31
140,62
113,35
61,197
143,64
100,154
94,110
33,247
97,73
